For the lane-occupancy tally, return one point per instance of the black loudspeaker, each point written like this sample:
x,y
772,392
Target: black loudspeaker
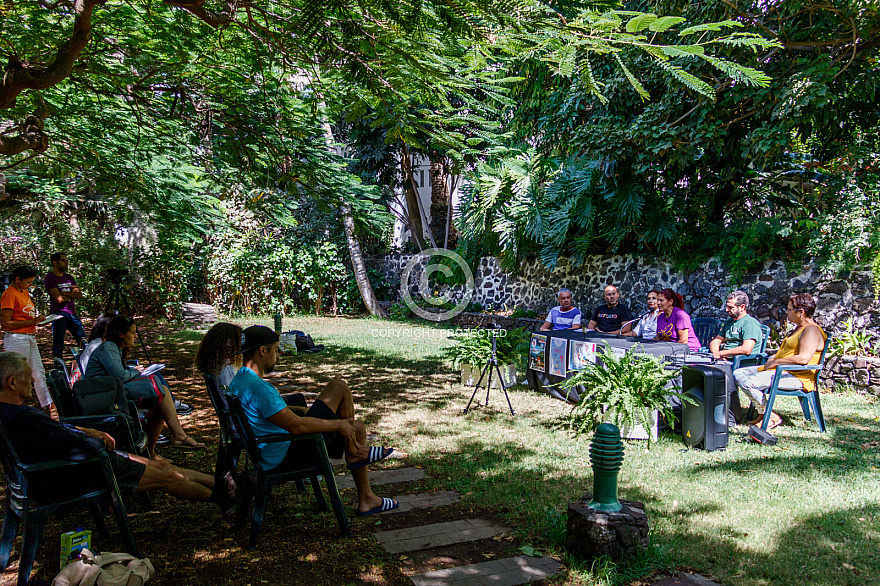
x,y
704,423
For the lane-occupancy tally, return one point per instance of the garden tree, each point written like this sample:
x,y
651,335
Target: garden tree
x,y
685,172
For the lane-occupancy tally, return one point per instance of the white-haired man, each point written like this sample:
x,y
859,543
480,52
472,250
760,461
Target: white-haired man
x,y
564,316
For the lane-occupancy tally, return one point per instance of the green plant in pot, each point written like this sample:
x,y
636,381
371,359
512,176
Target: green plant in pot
x,y
623,390
473,349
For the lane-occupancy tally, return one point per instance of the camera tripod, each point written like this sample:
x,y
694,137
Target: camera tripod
x,y
116,301
492,364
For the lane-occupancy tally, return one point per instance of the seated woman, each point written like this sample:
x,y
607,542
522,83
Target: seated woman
x,y
647,324
150,393
218,356
673,322
804,346
96,338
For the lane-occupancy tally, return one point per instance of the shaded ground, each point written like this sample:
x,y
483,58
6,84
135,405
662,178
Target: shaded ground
x,y
192,543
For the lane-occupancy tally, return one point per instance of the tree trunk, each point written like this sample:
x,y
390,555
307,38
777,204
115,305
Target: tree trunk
x,y
414,211
439,196
358,265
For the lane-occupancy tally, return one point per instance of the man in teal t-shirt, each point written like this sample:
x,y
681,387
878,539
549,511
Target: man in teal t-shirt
x,y
740,333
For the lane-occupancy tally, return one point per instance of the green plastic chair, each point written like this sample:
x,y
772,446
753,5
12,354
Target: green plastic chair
x,y
759,352
258,485
706,329
23,510
809,400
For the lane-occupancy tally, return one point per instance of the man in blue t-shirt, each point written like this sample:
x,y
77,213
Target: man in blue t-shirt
x,y
564,316
332,415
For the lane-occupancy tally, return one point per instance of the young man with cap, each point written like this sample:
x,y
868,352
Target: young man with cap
x,y
332,414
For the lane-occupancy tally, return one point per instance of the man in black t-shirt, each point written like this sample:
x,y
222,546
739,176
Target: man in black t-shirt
x,y
38,438
608,318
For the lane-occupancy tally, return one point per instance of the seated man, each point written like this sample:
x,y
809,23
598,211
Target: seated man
x,y
740,333
612,317
332,414
38,438
564,316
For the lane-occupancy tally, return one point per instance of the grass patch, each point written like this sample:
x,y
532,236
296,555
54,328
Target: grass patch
x,y
793,514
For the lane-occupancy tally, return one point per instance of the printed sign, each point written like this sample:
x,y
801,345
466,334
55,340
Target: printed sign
x,y
580,354
536,352
558,347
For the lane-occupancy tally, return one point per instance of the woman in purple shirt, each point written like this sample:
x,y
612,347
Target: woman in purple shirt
x,y
673,323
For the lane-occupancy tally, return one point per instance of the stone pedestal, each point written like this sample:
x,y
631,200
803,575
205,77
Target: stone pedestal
x,y
593,533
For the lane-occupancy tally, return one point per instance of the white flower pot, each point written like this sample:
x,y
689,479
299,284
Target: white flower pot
x,y
640,431
470,376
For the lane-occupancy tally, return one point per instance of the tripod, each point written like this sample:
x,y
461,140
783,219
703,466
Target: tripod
x,y
493,363
116,301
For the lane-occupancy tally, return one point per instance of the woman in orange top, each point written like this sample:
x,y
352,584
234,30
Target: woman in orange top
x,y
19,318
804,346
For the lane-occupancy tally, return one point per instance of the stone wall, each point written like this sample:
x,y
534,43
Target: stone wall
x,y
704,291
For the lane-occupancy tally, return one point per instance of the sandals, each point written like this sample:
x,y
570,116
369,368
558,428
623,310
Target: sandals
x,y
375,454
387,505
187,443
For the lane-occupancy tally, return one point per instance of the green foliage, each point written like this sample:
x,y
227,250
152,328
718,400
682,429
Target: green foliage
x,y
474,347
520,312
399,311
852,342
849,233
631,386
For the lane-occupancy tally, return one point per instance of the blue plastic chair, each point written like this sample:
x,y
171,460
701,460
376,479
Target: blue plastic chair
x,y
809,400
759,352
259,483
706,329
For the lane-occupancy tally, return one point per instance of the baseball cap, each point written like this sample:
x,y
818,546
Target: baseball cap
x,y
255,336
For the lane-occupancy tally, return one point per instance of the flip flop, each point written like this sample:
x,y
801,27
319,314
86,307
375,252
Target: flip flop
x,y
387,505
185,445
375,454
774,422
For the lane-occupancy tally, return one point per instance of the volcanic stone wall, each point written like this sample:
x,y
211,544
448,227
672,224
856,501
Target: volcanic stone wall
x,y
704,290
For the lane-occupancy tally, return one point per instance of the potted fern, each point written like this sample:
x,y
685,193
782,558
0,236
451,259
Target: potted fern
x,y
473,349
629,391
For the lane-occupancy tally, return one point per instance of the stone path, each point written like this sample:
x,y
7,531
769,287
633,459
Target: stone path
x,y
198,313
503,572
383,477
438,535
507,572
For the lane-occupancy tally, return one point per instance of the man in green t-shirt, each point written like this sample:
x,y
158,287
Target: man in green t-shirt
x,y
740,333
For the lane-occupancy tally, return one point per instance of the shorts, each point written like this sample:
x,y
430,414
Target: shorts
x,y
54,485
301,455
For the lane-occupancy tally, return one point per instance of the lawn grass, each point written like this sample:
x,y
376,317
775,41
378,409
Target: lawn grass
x,y
804,512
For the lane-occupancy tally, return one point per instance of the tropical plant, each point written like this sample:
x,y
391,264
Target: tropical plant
x,y
852,342
474,348
631,386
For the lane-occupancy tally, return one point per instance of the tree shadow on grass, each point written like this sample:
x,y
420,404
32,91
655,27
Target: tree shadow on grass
x,y
835,547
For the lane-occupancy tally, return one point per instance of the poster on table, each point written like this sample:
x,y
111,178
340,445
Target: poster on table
x,y
558,347
536,352
580,354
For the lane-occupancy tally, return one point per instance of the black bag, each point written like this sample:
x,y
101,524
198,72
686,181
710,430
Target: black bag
x,y
99,395
305,344
758,435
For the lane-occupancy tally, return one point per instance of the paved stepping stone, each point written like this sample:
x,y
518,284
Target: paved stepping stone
x,y
384,477
198,313
506,572
438,498
685,580
437,535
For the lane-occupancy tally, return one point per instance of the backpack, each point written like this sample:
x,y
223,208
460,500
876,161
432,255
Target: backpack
x,y
305,344
109,569
99,395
